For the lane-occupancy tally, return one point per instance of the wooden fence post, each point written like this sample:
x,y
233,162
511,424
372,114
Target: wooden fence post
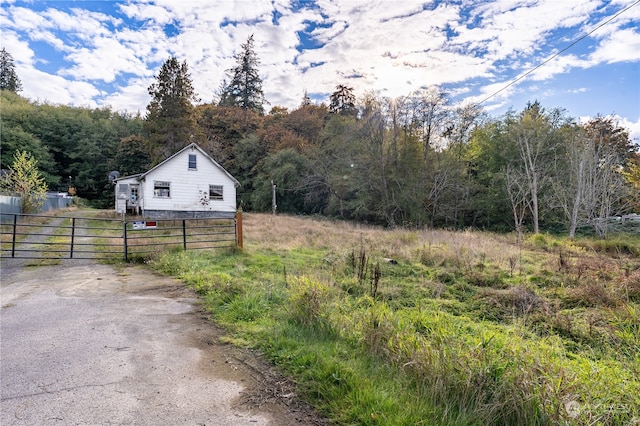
x,y
239,242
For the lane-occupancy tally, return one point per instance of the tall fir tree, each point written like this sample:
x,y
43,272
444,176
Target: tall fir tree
x,y
306,100
343,101
170,123
244,89
8,78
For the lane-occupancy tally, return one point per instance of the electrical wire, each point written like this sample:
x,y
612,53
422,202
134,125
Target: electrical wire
x,y
560,52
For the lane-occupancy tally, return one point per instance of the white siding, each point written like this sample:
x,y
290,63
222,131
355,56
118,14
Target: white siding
x,y
186,185
125,181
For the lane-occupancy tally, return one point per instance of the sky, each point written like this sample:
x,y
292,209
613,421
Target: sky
x,y
579,55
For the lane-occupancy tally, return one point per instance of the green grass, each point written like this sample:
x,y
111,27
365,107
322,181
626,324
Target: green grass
x,y
464,329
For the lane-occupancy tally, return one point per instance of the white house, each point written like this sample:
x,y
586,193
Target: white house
x,y
186,185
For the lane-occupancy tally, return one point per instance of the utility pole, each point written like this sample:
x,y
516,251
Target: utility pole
x,y
274,206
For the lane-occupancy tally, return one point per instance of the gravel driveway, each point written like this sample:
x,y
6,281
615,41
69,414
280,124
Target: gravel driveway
x,y
90,344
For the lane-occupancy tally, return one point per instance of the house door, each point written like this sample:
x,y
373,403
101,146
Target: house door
x,y
134,200
135,194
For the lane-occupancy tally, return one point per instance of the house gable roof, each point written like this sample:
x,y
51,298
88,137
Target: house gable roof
x,y
192,145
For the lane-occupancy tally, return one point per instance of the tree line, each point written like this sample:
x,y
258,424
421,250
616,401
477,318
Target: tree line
x,y
416,160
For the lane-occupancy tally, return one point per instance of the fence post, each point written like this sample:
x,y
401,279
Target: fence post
x,y
184,233
239,242
13,239
73,232
124,235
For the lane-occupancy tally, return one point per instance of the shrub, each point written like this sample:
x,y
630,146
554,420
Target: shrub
x,y
307,302
591,295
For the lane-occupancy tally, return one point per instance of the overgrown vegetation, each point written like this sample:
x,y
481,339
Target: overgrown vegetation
x,y
432,327
24,180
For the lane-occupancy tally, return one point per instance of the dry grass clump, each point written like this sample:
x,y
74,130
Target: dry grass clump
x,y
516,301
630,287
593,294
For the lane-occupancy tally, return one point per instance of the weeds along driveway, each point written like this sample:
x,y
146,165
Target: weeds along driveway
x,y
84,343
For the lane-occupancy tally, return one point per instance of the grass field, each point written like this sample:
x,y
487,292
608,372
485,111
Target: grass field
x,y
398,327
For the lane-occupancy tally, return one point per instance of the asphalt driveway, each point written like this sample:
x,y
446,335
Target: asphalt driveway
x,y
88,344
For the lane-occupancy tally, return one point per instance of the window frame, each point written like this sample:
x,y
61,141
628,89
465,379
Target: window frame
x,y
161,184
213,195
123,188
192,165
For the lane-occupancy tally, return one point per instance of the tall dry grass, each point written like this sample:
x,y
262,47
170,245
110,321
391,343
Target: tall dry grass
x,y
464,248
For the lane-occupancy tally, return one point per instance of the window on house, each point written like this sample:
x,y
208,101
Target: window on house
x,y
161,189
123,188
215,192
192,162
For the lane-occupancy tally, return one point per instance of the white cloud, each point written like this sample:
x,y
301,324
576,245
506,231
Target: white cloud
x,y
105,60
133,97
633,127
558,65
623,45
392,48
19,49
44,87
147,13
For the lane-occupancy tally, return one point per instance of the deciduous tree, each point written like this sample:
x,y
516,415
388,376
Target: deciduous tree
x,y
534,133
25,180
605,131
604,186
430,114
631,174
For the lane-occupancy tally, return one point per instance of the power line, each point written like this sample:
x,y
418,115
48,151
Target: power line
x,y
560,52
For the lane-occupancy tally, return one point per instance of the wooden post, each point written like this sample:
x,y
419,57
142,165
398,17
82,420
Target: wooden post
x,y
239,242
274,206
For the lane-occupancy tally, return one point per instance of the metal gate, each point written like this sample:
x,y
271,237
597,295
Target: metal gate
x,y
61,237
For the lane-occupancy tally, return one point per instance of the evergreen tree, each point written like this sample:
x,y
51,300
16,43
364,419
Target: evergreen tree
x,y
8,78
132,156
343,101
306,100
245,86
170,123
